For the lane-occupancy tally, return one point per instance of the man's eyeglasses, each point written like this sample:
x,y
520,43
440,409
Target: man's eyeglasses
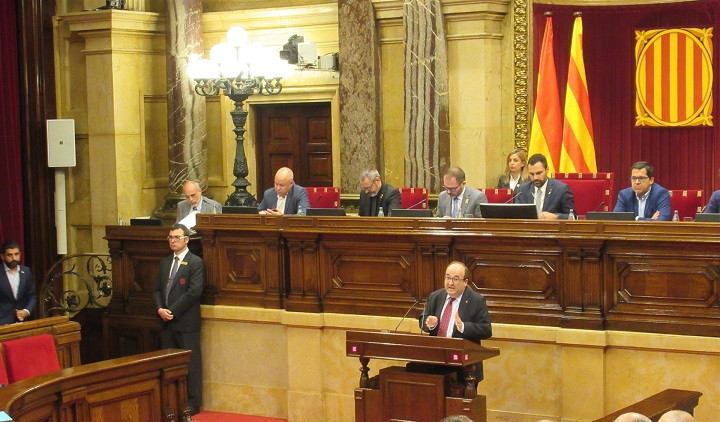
x,y
455,279
639,178
175,238
449,189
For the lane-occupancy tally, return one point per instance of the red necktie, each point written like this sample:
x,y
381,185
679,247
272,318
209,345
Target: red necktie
x,y
445,320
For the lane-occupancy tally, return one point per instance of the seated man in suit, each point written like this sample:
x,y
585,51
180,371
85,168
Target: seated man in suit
x,y
713,206
195,202
375,195
17,288
456,311
552,198
286,197
458,199
645,198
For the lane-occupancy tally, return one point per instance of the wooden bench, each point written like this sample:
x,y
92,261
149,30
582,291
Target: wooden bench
x,y
146,387
66,334
656,405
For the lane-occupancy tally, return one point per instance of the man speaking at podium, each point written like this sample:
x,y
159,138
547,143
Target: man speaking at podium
x,y
456,311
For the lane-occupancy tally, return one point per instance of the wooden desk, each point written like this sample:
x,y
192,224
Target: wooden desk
x,y
66,335
638,276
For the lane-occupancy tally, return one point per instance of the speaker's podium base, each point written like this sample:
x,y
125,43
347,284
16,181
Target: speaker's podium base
x,y
405,395
437,381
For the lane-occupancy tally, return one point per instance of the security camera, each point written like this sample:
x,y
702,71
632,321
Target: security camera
x,y
289,51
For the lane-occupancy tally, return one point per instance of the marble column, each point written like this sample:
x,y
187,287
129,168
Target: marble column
x,y
187,128
360,115
427,142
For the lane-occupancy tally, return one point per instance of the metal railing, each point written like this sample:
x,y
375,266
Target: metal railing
x,y
75,283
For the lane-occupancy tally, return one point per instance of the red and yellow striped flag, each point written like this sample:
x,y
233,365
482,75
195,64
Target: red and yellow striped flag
x,y
578,148
546,131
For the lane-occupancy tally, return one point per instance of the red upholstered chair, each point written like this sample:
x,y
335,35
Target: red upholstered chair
x,y
686,202
324,197
590,190
412,198
3,372
30,356
498,195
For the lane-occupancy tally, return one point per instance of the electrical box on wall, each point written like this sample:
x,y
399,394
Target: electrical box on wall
x,y
61,142
307,54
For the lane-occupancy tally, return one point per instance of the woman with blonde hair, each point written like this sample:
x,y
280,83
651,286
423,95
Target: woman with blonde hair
x,y
515,169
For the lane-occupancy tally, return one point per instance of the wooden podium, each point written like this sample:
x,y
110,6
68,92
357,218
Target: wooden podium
x,y
427,389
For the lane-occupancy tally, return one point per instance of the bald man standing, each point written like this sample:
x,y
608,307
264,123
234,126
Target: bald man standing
x,y
285,197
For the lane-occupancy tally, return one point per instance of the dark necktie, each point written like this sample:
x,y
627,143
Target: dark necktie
x,y
445,320
173,271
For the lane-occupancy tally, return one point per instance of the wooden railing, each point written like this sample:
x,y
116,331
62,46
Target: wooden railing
x,y
656,405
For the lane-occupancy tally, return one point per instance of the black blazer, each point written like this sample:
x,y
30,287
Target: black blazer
x,y
558,197
473,313
26,295
388,198
185,290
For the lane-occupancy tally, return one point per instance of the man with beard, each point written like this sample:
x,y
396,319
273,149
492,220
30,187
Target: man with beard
x,y
17,288
552,198
376,195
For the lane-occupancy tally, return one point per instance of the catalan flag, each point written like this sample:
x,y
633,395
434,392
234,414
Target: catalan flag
x,y
546,131
578,148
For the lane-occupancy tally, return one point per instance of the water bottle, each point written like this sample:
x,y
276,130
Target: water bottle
x,y
676,216
300,211
381,213
571,215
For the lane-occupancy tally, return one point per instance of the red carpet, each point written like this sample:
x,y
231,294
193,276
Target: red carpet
x,y
208,416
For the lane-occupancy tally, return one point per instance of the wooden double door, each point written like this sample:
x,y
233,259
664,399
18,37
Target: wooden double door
x,y
298,136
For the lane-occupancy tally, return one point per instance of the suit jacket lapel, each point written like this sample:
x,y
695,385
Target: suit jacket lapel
x,y
5,284
288,201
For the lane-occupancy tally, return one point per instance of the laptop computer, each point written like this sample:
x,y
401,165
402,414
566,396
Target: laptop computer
x,y
145,221
611,216
414,213
710,217
513,211
327,212
235,209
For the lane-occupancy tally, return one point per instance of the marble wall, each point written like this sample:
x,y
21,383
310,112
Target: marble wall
x,y
293,365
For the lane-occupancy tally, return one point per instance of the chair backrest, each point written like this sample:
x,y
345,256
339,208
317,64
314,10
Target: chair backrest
x,y
686,202
3,372
324,197
590,190
498,195
30,356
412,197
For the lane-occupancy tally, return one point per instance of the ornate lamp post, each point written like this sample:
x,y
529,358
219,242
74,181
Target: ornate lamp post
x,y
239,69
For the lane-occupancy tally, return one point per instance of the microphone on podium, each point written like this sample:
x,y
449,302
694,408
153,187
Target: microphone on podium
x,y
406,314
416,204
317,201
512,199
598,207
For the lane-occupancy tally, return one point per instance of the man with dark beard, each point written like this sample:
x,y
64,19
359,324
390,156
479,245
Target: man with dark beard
x,y
17,288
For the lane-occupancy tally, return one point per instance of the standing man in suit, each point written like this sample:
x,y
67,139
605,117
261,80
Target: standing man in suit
x,y
552,198
458,199
195,202
645,198
285,197
177,293
17,288
375,195
456,311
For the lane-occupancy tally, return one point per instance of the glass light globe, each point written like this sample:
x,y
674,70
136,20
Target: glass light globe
x,y
231,69
222,52
237,36
208,69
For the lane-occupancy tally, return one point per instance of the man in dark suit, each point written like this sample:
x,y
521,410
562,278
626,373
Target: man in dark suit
x,y
375,195
552,198
456,311
285,197
645,198
17,288
195,202
177,293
